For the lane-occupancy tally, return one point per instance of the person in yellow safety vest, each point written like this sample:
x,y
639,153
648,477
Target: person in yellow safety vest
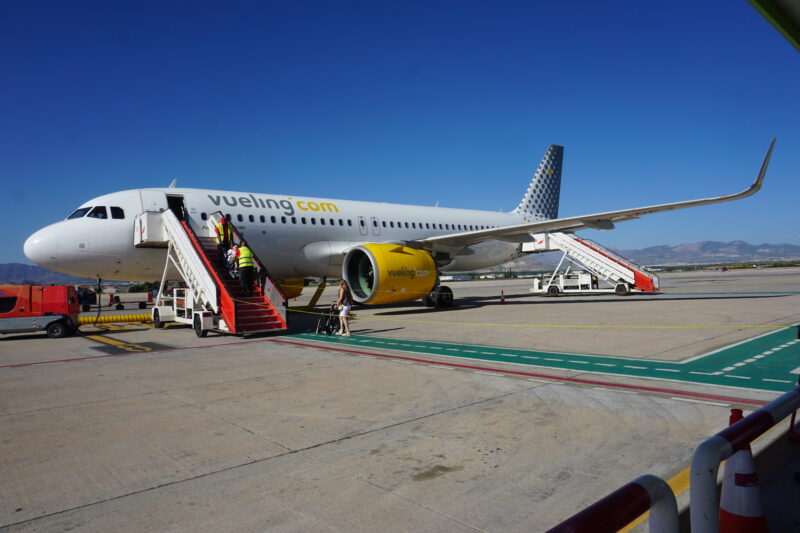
x,y
246,265
223,231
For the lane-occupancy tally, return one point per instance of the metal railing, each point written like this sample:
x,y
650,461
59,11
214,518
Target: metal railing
x,y
625,505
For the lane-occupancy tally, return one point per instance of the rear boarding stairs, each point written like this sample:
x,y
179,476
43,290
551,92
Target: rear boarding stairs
x,y
211,300
618,274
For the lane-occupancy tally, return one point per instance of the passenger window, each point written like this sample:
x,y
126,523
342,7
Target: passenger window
x,y
322,221
349,222
406,225
303,220
239,218
427,225
374,223
98,212
263,219
204,216
294,220
79,213
332,222
7,303
391,224
117,212
384,223
362,222
314,221
229,217
252,218
414,225
341,222
283,220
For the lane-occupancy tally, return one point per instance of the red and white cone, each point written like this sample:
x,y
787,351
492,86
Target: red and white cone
x,y
740,508
502,297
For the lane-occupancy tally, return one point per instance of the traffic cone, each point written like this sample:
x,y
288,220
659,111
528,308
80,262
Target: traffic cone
x,y
502,297
740,508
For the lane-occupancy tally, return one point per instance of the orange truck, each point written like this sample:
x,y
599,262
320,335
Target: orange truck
x,y
52,308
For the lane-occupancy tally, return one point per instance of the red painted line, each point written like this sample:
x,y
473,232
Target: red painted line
x,y
531,374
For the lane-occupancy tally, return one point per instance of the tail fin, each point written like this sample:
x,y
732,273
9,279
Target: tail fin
x,y
541,199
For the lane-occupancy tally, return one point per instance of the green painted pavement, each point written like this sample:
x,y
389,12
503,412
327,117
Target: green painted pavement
x,y
762,363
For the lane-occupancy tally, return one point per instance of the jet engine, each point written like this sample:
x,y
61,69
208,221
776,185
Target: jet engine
x,y
388,273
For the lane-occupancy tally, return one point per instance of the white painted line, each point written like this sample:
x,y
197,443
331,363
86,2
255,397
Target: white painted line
x,y
442,367
750,360
777,380
488,353
452,349
699,401
795,371
404,362
667,370
406,344
636,367
366,357
544,381
736,377
738,364
549,359
604,364
786,345
728,368
768,352
759,356
436,348
471,351
704,373
528,357
716,373
490,373
616,390
578,362
514,355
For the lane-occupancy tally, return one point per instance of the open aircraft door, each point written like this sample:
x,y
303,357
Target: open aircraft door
x,y
153,200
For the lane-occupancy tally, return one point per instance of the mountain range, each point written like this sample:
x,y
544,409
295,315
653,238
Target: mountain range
x,y
683,254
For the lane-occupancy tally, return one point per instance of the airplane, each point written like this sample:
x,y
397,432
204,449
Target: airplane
x,y
369,244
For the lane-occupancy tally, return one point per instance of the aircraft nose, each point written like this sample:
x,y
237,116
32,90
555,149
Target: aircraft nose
x,y
42,248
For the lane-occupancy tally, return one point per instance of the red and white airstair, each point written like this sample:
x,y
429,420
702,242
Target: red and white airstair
x,y
211,300
599,269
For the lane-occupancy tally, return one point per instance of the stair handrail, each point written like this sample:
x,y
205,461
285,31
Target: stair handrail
x,y
182,242
610,263
265,274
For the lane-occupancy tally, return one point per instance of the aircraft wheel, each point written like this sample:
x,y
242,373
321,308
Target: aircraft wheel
x,y
198,327
445,296
621,289
86,308
142,305
119,307
552,290
157,320
428,300
56,330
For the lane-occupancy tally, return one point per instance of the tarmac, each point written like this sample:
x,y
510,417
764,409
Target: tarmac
x,y
415,423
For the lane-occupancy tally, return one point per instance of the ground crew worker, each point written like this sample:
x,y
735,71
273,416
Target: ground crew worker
x,y
223,230
246,264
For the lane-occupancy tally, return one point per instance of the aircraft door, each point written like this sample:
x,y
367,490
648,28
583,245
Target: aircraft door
x,y
376,227
362,226
153,200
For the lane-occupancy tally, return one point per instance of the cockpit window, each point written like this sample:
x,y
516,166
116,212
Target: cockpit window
x,y
81,211
98,212
117,212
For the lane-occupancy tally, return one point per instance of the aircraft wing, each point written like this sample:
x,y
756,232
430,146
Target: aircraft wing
x,y
521,232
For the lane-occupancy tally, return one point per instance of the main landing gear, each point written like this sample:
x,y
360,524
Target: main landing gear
x,y
440,296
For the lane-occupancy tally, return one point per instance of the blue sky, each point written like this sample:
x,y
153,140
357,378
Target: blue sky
x,y
409,102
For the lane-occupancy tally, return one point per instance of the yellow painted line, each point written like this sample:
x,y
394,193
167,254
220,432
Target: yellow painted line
x,y
128,347
679,483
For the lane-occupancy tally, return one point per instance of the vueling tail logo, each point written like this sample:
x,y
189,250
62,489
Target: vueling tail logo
x,y
404,272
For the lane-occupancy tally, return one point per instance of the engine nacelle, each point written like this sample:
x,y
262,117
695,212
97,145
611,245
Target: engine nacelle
x,y
388,273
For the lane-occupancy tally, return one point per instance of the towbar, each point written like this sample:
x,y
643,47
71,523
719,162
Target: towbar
x,y
703,499
625,505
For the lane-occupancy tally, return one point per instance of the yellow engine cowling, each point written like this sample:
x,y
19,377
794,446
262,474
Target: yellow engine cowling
x,y
388,273
291,287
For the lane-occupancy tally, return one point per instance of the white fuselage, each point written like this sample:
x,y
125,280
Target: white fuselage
x,y
294,236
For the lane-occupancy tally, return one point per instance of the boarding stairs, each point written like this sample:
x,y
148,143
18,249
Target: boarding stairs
x,y
217,301
621,273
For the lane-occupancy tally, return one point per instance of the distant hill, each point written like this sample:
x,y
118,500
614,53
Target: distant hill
x,y
683,254
20,274
711,252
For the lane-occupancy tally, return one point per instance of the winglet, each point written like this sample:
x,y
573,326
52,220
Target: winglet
x,y
763,172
